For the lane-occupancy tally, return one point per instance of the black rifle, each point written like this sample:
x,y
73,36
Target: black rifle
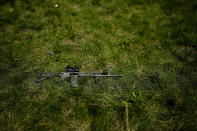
x,y
73,73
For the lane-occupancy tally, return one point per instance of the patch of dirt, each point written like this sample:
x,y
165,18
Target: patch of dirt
x,y
69,42
76,8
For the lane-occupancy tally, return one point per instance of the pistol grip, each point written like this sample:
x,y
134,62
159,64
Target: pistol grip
x,y
74,82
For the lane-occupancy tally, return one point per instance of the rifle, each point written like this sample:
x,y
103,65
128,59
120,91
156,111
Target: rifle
x,y
73,74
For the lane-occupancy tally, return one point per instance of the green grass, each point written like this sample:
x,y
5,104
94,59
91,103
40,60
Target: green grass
x,y
152,43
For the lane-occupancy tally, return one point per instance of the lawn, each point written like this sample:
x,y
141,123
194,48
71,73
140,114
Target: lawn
x,y
153,43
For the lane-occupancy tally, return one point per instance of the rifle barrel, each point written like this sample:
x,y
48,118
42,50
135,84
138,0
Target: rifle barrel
x,y
97,75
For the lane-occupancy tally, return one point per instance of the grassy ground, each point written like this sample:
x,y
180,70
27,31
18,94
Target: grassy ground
x,y
153,43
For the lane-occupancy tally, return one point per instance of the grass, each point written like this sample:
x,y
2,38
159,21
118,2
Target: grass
x,y
152,43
